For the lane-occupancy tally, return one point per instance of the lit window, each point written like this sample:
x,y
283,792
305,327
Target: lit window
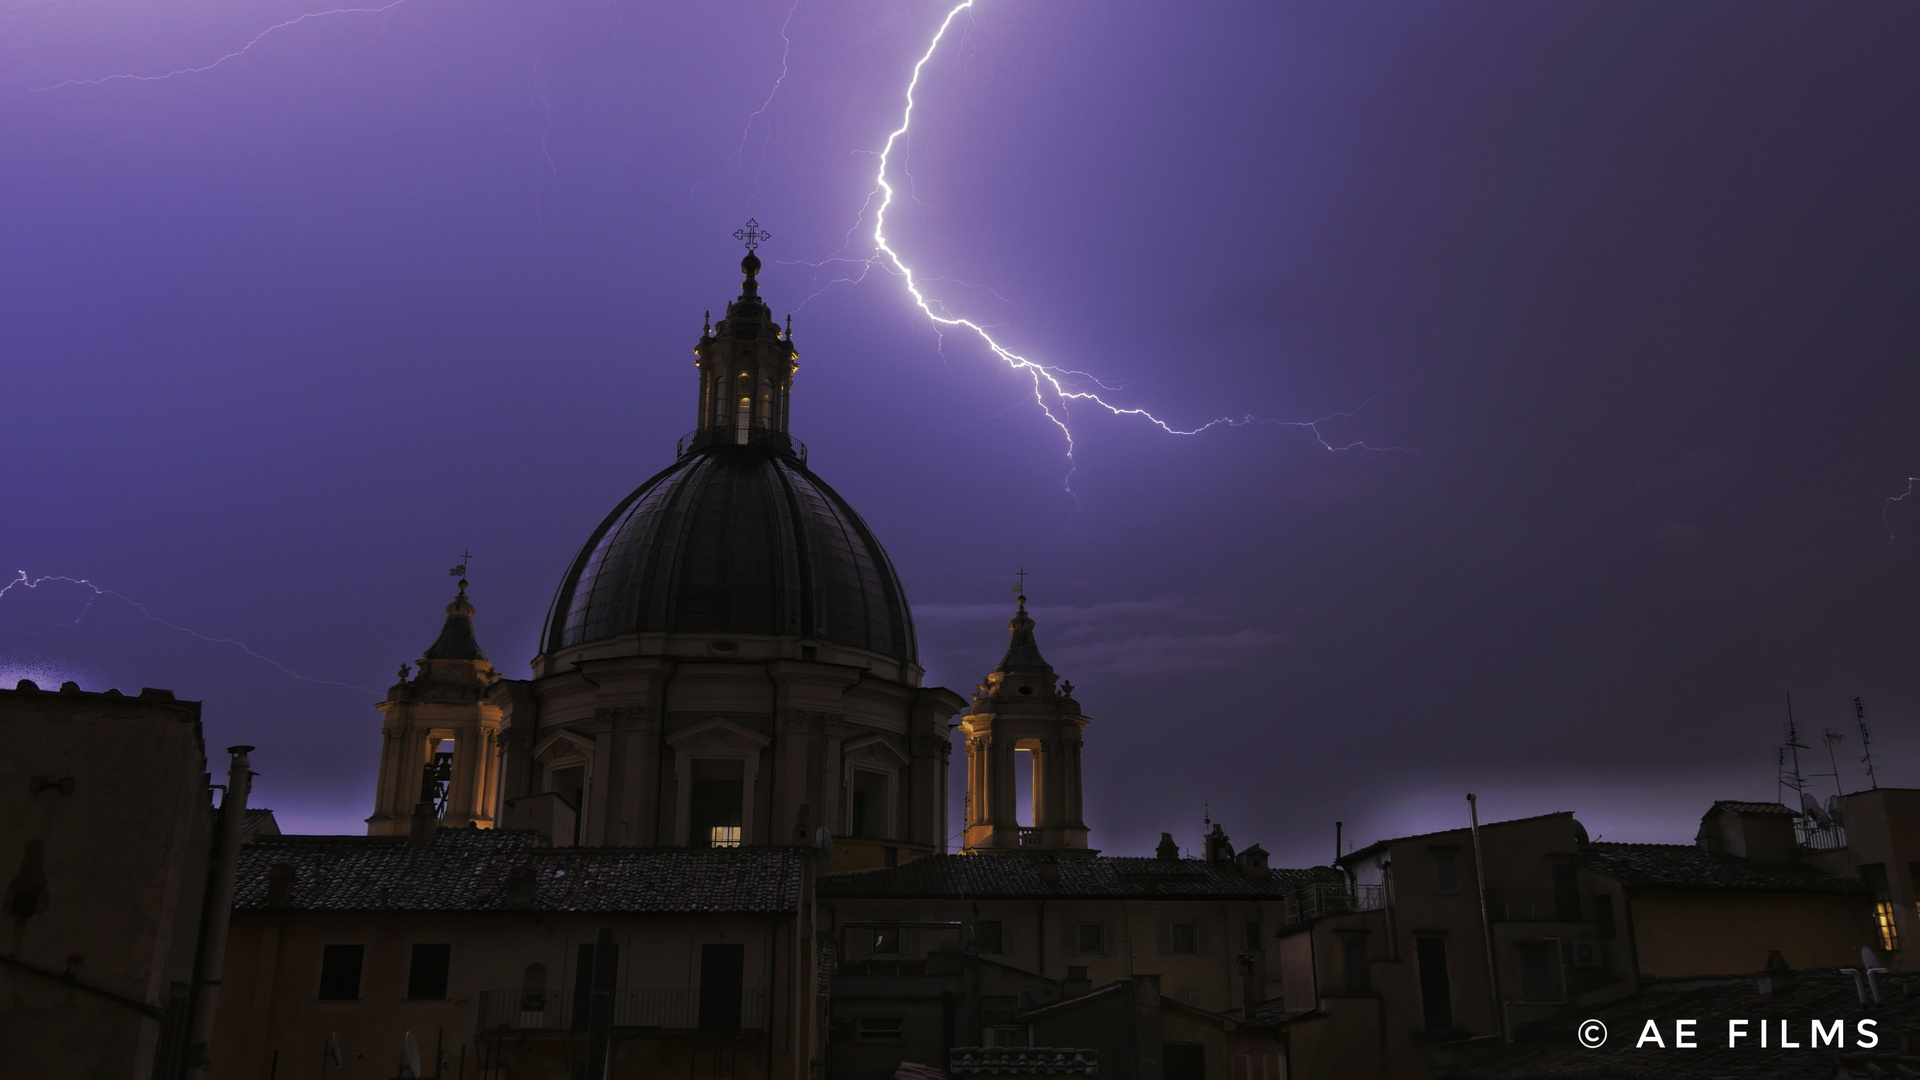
x,y
723,836
1874,877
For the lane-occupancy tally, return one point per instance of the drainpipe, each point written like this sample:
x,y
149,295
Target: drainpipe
x,y
217,915
1486,923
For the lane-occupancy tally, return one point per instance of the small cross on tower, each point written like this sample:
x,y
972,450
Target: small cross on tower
x,y
1020,589
752,235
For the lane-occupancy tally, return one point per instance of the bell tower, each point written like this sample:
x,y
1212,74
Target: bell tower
x,y
440,736
746,366
1021,718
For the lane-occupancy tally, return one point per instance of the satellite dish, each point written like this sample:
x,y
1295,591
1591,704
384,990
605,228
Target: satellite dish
x,y
823,841
1834,811
333,1049
1811,807
1867,959
413,1056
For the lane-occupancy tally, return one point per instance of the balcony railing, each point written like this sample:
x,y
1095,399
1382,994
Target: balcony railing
x,y
1326,898
1029,837
1022,1060
1812,837
673,1010
730,436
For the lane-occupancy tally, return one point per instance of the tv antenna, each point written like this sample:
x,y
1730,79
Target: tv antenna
x,y
1866,742
1794,779
1831,738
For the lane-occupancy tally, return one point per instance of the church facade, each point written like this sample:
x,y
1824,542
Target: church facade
x,y
621,863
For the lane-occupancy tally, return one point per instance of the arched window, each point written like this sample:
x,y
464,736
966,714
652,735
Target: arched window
x,y
533,989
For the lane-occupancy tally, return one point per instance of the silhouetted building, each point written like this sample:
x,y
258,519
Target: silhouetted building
x,y
116,883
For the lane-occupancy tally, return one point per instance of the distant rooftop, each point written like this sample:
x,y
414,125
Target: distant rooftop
x,y
1686,867
1020,875
467,870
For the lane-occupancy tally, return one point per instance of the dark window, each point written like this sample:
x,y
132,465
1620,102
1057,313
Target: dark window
x,y
533,989
1914,869
427,973
886,941
1183,1061
880,1028
340,972
722,976
1874,877
1092,940
713,807
869,804
1446,870
1603,916
583,981
1436,990
1539,973
1566,893
1183,938
1353,964
890,857
1254,941
990,937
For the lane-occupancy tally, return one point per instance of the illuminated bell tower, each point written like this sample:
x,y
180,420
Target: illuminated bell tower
x,y
440,736
1019,715
746,367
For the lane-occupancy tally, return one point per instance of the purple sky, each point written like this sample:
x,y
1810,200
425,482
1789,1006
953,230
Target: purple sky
x,y
1637,282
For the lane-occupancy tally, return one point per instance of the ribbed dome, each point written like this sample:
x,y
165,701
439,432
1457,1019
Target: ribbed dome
x,y
734,540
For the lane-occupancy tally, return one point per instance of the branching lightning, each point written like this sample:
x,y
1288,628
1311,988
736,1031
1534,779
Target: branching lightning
x,y
1886,506
22,580
241,51
1053,387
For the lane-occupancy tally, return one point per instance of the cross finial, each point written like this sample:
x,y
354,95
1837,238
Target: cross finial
x,y
1020,588
461,570
752,235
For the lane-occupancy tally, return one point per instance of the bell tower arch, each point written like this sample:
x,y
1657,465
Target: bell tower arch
x,y
1023,708
440,736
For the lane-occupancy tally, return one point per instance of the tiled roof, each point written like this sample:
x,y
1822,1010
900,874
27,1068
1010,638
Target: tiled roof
x,y
1684,866
1755,807
1017,875
466,870
1364,853
1824,993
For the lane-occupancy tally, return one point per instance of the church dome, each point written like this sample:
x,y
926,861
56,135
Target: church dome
x,y
737,537
735,540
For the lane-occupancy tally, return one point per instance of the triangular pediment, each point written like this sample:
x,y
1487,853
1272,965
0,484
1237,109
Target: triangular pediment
x,y
718,735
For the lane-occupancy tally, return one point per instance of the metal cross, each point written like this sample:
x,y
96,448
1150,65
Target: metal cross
x,y
752,234
1022,587
461,570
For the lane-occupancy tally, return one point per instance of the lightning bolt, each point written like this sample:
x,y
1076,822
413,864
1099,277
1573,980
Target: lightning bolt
x,y
1058,384
241,51
1886,506
22,580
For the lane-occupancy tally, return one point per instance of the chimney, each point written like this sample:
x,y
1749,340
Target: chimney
x,y
425,824
1050,870
1778,978
520,886
280,882
1167,849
